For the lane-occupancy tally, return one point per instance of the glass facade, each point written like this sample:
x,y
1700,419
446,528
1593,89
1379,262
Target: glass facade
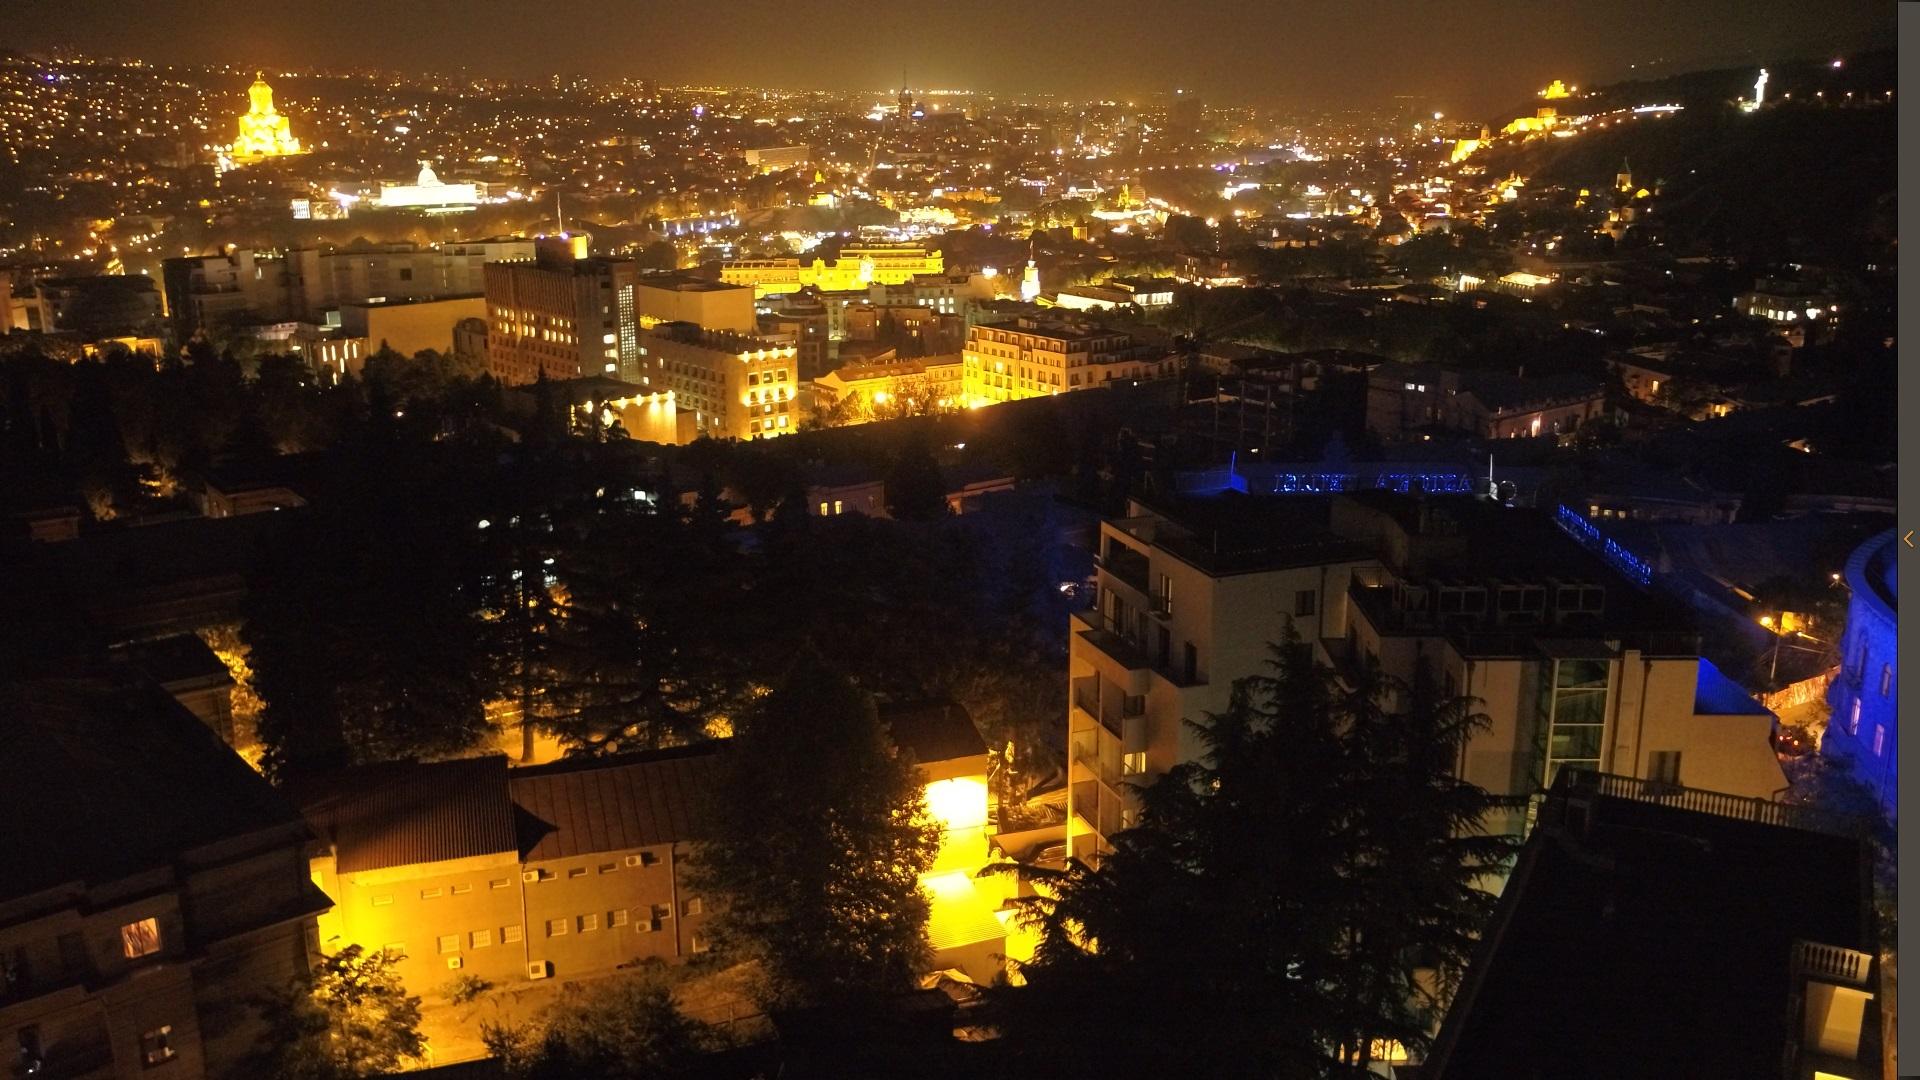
x,y
1573,715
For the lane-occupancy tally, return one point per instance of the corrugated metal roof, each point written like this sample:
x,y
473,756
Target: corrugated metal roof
x,y
611,804
391,815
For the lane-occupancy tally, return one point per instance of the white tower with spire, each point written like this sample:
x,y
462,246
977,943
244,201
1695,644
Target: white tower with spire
x,y
1030,279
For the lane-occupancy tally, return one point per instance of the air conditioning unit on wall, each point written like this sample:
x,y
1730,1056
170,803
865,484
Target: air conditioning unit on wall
x,y
539,969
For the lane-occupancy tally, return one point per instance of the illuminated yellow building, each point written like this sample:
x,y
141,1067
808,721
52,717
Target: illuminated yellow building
x,y
1027,357
854,268
263,132
1546,117
968,925
725,385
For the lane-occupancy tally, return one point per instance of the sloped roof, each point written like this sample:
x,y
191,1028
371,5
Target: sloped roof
x,y
111,780
573,808
933,731
391,815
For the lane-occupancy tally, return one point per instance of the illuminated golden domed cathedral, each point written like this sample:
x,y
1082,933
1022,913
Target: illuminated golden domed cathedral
x,y
263,132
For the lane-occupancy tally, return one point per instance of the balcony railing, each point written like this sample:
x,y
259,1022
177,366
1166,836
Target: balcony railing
x,y
1831,962
1575,782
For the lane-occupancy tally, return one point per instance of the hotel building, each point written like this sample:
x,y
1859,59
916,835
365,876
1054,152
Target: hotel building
x,y
1573,663
728,386
1028,357
564,315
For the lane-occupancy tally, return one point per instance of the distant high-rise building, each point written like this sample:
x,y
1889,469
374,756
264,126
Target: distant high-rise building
x,y
564,315
777,158
1185,112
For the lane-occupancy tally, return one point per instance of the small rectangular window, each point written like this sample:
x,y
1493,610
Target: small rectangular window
x,y
430,894
140,938
699,942
662,911
1303,603
608,868
617,918
448,943
1879,740
589,922
1886,679
648,858
499,883
509,935
1663,767
154,1046
480,939
556,927
461,890
578,871
693,906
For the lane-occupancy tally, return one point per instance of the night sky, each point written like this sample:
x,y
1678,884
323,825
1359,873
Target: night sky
x,y
1460,55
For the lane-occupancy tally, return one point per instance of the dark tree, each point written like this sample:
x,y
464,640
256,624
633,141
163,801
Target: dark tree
x,y
653,641
823,894
1281,900
615,1029
915,489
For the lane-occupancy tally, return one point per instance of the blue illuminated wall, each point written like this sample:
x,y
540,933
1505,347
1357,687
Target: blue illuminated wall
x,y
1863,727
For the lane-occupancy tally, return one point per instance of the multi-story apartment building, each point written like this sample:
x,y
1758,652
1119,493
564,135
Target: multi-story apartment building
x,y
854,268
1573,664
1029,357
563,315
155,885
306,284
728,386
1864,728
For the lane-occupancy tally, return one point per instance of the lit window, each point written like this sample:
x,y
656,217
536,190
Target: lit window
x,y
1879,739
838,506
154,1046
823,507
140,938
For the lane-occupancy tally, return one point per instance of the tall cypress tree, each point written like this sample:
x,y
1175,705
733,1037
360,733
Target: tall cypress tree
x,y
1285,901
817,834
